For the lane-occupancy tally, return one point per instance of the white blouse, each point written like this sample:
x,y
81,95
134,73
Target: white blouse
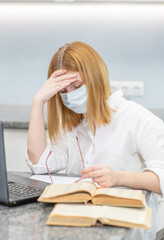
x,y
133,141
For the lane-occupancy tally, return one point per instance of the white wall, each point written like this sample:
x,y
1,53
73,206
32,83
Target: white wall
x,y
129,37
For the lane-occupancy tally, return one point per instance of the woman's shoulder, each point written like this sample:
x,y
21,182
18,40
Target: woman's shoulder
x,y
121,105
137,112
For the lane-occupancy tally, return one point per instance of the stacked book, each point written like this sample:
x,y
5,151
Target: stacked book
x,y
85,204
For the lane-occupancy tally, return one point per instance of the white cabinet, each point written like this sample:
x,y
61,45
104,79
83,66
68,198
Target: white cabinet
x,y
15,144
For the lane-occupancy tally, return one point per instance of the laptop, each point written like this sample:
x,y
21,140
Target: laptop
x,y
16,189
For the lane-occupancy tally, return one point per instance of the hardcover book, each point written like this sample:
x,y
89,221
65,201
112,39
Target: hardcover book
x,y
83,192
90,215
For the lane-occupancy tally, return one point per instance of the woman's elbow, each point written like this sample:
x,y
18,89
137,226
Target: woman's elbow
x,y
33,157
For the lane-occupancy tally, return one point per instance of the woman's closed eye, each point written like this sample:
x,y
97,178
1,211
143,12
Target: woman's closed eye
x,y
77,85
71,87
63,91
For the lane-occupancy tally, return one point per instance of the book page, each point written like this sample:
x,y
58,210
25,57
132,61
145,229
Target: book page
x,y
120,193
55,190
125,214
77,210
119,216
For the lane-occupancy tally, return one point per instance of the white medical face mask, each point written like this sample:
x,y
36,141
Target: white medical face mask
x,y
76,100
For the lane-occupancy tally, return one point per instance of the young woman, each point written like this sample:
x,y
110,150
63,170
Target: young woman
x,y
101,135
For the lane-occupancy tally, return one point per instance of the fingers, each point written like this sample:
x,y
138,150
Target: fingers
x,y
70,76
94,174
92,168
61,74
103,184
102,181
103,175
98,179
64,80
63,84
58,73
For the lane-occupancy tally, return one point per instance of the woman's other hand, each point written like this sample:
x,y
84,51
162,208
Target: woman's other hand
x,y
103,175
57,81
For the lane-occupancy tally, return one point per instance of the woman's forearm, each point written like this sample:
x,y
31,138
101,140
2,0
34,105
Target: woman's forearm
x,y
139,180
36,141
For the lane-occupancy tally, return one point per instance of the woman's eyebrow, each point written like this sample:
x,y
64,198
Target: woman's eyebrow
x,y
77,81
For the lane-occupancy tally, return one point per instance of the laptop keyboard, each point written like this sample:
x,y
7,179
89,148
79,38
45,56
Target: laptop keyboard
x,y
22,191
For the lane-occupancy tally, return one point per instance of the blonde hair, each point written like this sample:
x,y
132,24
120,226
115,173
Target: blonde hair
x,y
80,57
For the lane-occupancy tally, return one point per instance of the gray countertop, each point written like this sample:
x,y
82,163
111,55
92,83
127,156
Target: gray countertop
x,y
17,116
27,222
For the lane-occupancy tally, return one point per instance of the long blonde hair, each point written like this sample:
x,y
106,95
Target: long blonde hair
x,y
80,57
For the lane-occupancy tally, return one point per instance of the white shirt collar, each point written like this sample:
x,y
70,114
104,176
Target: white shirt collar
x,y
115,99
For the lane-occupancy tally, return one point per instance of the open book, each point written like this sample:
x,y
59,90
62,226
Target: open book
x,y
89,215
82,192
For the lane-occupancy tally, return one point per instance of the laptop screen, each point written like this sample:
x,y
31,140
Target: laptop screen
x,y
3,173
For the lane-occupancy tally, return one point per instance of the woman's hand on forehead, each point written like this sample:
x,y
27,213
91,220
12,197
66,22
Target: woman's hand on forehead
x,y
62,75
58,80
73,85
